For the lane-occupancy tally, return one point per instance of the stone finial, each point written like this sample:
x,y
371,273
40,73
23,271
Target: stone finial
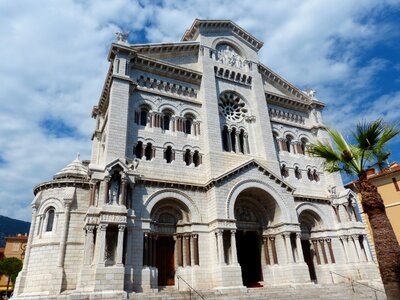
x,y
311,93
122,37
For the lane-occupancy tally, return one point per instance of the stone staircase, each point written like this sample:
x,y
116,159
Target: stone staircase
x,y
311,291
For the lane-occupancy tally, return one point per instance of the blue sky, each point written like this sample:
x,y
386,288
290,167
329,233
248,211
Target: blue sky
x,y
54,63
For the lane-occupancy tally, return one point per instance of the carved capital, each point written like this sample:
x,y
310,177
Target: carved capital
x,y
121,227
103,227
90,228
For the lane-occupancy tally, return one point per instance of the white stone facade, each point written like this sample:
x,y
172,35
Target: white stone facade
x,y
198,171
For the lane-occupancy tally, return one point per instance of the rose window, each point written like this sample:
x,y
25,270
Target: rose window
x,y
232,107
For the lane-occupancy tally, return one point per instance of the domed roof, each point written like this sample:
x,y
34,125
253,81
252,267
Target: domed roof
x,y
76,169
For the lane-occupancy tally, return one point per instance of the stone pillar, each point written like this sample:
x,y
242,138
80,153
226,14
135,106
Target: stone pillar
x,y
196,248
343,239
106,180
322,244
358,248
88,245
120,245
299,248
145,249
192,259
315,246
367,249
102,244
187,250
63,241
329,243
180,252
246,142
30,237
122,200
273,246
150,251
266,251
233,247
288,246
229,140
237,142
220,243
92,193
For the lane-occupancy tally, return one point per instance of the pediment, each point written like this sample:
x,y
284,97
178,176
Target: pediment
x,y
221,26
253,163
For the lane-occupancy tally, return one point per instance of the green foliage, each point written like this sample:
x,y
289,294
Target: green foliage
x,y
371,138
10,267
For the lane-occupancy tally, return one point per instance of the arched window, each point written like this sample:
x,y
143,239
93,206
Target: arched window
x,y
169,155
315,175
289,139
166,121
188,125
143,116
241,141
50,219
284,171
225,137
233,139
196,158
187,157
297,173
303,145
139,150
310,175
148,152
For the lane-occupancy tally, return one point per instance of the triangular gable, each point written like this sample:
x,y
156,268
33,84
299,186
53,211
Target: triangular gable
x,y
223,25
250,163
116,162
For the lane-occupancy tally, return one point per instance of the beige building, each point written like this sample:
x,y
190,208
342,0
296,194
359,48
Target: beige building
x,y
15,247
198,177
388,183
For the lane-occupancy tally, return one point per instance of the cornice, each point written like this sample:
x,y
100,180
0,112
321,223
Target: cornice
x,y
166,47
152,65
287,102
193,31
304,198
268,73
61,183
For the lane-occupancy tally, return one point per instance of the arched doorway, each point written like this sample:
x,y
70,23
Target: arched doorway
x,y
253,209
309,223
170,217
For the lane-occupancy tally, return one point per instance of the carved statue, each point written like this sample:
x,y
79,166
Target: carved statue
x,y
332,191
114,190
311,93
134,164
122,36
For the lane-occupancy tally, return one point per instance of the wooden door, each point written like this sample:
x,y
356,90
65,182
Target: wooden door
x,y
165,260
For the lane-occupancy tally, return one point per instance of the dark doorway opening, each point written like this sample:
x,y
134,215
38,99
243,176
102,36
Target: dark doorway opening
x,y
308,258
249,258
165,260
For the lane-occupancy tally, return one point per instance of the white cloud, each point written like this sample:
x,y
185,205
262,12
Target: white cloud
x,y
54,63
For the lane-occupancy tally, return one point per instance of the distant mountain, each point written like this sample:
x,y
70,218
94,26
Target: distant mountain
x,y
10,227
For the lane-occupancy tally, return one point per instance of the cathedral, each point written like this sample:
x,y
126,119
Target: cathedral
x,y
199,179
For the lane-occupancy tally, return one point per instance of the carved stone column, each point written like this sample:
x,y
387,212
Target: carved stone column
x,y
274,254
246,143
299,248
266,251
329,243
120,244
367,250
288,246
358,248
145,249
187,250
92,193
229,140
180,252
195,239
102,244
129,246
154,250
233,247
122,200
88,245
220,243
322,244
315,246
106,181
63,241
237,142
343,239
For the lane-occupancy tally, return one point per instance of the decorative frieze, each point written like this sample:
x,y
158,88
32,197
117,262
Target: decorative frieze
x,y
281,115
233,76
166,87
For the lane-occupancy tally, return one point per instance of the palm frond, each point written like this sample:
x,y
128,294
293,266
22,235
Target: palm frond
x,y
367,134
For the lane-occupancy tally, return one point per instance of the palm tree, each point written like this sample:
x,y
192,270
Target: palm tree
x,y
368,150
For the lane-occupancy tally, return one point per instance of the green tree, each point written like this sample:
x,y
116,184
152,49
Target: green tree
x,y
10,267
368,150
